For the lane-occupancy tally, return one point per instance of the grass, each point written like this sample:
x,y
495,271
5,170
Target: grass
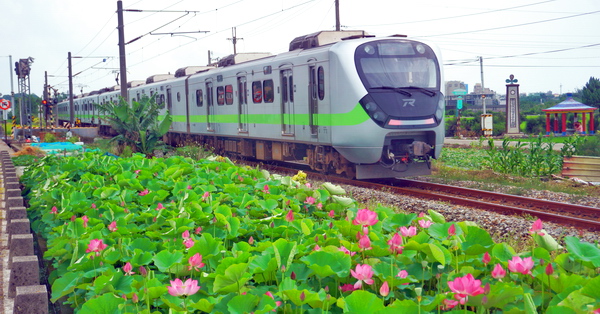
x,y
465,164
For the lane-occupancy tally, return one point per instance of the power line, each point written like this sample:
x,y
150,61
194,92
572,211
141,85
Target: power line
x,y
510,26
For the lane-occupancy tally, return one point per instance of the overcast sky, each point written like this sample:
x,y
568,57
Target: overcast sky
x,y
549,45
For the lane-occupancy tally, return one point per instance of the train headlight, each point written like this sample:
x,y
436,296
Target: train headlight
x,y
439,114
371,106
380,116
420,49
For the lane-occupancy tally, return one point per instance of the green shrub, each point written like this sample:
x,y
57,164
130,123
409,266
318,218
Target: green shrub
x,y
50,138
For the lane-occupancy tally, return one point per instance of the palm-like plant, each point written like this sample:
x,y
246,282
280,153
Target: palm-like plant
x,y
139,125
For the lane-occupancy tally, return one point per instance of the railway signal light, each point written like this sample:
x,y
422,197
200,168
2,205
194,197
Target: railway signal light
x,y
44,102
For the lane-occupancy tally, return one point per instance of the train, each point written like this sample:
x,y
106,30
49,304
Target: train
x,y
342,102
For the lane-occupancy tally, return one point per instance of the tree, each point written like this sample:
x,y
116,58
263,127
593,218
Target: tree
x,y
138,125
590,94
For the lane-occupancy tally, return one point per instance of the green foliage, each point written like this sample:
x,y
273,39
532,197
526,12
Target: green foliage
x,y
138,125
533,159
588,146
590,93
50,138
256,260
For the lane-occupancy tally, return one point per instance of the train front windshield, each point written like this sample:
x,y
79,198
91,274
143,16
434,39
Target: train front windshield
x,y
397,64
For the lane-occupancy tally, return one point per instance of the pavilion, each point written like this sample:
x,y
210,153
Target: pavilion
x,y
583,126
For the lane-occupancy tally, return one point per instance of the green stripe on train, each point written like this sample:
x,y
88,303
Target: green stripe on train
x,y
356,116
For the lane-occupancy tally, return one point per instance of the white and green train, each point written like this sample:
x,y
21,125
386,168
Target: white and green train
x,y
341,102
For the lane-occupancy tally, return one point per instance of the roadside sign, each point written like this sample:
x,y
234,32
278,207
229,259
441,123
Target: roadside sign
x,y
4,104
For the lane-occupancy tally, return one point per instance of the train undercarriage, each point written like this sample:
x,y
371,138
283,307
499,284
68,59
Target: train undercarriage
x,y
324,159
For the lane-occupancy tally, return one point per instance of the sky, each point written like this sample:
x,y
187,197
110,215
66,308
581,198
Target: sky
x,y
548,45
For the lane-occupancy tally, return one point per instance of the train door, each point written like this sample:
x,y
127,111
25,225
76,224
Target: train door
x,y
313,108
170,104
287,102
210,110
242,105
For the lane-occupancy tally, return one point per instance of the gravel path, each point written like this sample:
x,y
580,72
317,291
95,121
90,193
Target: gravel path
x,y
501,227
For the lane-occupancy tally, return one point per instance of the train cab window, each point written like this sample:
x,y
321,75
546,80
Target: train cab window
x,y
257,92
199,99
220,95
321,81
229,94
178,97
268,92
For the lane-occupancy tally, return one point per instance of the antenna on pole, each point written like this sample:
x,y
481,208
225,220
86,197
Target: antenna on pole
x,y
337,15
234,39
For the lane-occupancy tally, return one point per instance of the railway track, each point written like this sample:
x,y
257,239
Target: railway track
x,y
562,213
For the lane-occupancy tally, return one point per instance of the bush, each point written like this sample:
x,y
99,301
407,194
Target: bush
x,y
590,146
50,138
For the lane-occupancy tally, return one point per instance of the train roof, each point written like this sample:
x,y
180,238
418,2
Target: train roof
x,y
191,70
242,57
158,78
324,38
135,83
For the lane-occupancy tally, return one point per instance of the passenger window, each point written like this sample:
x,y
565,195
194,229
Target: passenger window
x,y
220,95
199,100
268,92
229,94
257,92
284,89
321,78
291,86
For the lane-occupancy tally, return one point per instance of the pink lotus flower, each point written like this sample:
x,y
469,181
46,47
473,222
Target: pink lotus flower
x,y
188,243
137,171
94,206
408,232
549,269
395,244
96,245
112,226
195,262
452,230
270,295
185,235
518,265
448,304
178,288
402,274
425,223
316,248
85,221
466,286
536,228
347,287
143,271
308,185
320,206
54,210
363,273
290,216
251,240
498,272
385,289
486,258
127,269
364,243
310,200
189,187
331,213
266,189
144,192
365,217
160,206
345,250
135,298
205,195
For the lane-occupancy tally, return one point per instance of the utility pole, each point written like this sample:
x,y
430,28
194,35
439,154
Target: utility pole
x,y
122,56
234,39
44,102
482,86
71,105
337,15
